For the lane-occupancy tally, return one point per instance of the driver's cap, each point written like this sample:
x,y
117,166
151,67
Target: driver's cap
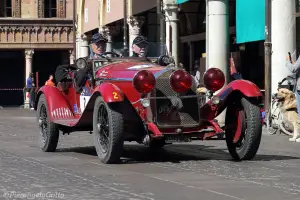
x,y
140,39
98,37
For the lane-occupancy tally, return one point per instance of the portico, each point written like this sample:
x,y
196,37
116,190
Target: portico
x,y
36,35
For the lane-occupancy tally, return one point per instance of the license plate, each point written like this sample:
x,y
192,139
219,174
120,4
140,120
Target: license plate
x,y
177,138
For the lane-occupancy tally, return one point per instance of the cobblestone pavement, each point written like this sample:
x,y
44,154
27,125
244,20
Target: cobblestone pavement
x,y
197,170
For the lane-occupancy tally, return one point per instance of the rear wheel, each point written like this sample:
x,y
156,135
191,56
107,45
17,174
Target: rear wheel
x,y
243,119
108,131
49,132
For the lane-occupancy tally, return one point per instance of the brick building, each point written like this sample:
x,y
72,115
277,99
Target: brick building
x,y
35,36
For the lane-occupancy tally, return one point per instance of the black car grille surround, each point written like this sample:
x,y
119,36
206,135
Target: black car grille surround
x,y
171,109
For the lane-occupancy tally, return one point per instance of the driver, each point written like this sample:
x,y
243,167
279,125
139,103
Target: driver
x,y
98,45
140,46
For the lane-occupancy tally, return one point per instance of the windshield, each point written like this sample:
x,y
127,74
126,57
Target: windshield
x,y
155,49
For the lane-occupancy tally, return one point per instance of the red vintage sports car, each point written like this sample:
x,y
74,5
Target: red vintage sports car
x,y
149,101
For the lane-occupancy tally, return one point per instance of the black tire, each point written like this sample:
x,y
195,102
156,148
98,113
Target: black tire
x,y
248,144
113,125
49,132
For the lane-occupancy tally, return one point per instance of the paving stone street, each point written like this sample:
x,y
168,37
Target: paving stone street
x,y
182,171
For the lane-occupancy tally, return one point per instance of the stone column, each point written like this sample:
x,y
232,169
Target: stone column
x,y
28,69
283,39
172,36
78,44
135,23
71,56
109,32
217,40
217,52
83,50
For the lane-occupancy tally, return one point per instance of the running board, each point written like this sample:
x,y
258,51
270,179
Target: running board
x,y
66,122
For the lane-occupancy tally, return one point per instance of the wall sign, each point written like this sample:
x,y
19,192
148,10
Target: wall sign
x,y
108,6
86,15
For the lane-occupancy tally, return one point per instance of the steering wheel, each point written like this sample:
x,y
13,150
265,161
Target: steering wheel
x,y
109,53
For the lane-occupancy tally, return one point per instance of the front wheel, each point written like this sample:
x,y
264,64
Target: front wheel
x,y
108,131
49,132
243,129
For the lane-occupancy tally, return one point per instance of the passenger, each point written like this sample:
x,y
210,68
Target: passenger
x,y
50,82
140,46
98,45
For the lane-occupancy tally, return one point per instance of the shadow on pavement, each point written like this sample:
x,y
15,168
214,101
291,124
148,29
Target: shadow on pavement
x,y
175,153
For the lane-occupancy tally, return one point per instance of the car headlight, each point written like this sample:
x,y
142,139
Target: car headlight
x,y
145,102
81,63
215,100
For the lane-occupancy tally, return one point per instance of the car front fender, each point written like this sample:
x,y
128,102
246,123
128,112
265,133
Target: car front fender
x,y
227,95
109,92
247,88
56,102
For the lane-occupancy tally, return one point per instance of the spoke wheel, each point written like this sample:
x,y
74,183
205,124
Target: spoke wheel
x,y
103,129
243,129
49,132
108,131
43,125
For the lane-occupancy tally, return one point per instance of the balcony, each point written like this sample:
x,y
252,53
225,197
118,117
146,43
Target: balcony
x,y
42,33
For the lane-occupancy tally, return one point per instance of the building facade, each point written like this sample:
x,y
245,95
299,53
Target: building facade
x,y
184,27
35,36
195,30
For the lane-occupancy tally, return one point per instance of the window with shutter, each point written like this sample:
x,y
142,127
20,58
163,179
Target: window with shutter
x,y
16,4
6,8
61,11
50,8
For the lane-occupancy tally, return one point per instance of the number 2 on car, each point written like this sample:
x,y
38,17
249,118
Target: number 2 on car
x,y
115,95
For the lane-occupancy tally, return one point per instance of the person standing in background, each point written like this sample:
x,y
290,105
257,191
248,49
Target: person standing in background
x,y
196,73
50,82
30,88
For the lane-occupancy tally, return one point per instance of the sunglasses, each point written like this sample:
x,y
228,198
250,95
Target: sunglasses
x,y
142,45
100,43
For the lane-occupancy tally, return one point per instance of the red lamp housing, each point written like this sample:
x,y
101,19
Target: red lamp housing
x,y
181,81
144,81
214,79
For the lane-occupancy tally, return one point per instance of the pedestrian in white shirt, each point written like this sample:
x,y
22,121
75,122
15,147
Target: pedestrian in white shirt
x,y
196,73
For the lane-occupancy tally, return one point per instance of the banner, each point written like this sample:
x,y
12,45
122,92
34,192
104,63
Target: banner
x,y
250,20
181,1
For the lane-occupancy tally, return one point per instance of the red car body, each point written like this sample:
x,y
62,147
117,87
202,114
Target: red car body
x,y
114,82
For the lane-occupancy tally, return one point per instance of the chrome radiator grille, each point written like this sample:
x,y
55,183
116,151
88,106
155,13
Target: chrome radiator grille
x,y
172,109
